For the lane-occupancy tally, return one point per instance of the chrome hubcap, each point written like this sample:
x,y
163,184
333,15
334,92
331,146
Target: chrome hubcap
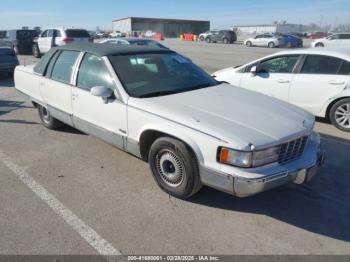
x,y
342,115
46,115
170,168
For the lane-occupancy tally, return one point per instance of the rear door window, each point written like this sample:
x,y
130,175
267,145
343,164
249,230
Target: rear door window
x,y
315,64
63,68
344,69
77,33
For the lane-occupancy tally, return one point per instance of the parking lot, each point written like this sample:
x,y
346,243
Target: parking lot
x,y
109,200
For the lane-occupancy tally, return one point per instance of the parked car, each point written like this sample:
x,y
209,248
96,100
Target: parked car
x,y
267,40
58,37
8,60
132,41
222,36
157,105
2,34
335,40
318,35
204,35
292,41
117,34
21,40
317,80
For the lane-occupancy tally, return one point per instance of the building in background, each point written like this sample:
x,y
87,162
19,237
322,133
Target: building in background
x,y
168,27
247,31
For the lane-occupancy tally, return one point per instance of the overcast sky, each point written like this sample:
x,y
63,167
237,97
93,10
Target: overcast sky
x,y
222,13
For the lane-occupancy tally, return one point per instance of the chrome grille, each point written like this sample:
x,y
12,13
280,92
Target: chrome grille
x,y
292,150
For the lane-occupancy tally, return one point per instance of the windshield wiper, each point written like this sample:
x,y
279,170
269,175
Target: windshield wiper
x,y
158,93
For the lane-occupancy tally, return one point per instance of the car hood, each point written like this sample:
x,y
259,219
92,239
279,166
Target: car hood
x,y
237,116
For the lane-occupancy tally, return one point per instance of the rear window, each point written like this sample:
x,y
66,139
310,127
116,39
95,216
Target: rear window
x,y
77,33
26,34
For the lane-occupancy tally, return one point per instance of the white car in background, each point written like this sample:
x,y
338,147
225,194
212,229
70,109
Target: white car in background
x,y
59,36
267,40
335,40
317,80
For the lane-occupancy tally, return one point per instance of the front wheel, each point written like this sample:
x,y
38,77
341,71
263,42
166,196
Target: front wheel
x,y
208,40
319,45
47,120
225,41
174,167
340,115
248,44
271,45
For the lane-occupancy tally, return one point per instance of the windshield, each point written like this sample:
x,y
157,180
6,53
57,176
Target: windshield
x,y
154,74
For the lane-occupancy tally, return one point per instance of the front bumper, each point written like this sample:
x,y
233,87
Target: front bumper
x,y
247,183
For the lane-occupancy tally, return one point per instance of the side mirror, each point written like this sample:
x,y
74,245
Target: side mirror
x,y
254,70
103,92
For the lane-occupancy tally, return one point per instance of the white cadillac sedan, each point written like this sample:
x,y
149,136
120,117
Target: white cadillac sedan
x,y
157,105
317,80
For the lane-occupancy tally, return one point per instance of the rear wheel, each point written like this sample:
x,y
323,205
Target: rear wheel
x,y
174,167
208,40
47,120
225,40
319,45
340,114
271,45
249,44
36,51
201,38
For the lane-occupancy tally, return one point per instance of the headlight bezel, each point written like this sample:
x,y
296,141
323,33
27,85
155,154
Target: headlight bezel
x,y
257,158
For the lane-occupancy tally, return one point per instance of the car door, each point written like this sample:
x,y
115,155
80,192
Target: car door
x,y
273,77
44,42
56,88
90,114
320,78
257,40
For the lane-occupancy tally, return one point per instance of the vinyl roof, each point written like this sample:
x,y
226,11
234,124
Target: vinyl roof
x,y
108,49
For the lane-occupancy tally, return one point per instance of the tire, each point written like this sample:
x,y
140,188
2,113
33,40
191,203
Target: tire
x,y
47,120
225,41
271,45
319,45
249,44
36,51
201,38
174,167
339,115
208,40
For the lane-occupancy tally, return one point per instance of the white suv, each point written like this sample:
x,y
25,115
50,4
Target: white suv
x,y
58,37
335,40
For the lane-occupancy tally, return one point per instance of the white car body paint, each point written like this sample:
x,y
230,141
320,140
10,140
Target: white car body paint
x,y
312,92
205,119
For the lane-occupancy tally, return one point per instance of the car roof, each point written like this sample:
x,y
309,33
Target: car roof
x,y
108,49
337,52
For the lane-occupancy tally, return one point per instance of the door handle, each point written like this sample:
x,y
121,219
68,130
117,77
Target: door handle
x,y
283,81
334,82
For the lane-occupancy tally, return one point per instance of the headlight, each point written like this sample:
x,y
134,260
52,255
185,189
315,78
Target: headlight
x,y
234,157
248,158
